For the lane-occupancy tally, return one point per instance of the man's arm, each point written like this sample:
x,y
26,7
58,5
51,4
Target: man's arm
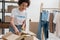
x,y
13,25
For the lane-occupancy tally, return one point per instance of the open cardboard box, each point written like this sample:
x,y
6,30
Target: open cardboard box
x,y
31,38
25,36
11,36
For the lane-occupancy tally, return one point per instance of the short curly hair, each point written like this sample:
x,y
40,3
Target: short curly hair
x,y
21,1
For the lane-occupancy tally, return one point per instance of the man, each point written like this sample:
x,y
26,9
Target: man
x,y
18,16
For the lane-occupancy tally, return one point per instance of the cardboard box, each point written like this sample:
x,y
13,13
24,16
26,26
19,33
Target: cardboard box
x,y
26,36
31,38
4,24
7,18
10,7
11,36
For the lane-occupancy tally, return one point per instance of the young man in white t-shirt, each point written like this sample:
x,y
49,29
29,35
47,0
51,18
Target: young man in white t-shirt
x,y
18,16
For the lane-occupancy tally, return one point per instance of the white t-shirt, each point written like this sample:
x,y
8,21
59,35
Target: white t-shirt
x,y
18,16
56,15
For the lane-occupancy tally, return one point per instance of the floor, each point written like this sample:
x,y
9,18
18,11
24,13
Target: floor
x,y
52,36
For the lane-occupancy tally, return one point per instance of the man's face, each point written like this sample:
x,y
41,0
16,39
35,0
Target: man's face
x,y
23,6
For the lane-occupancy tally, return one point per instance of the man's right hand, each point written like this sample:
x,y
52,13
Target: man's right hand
x,y
17,32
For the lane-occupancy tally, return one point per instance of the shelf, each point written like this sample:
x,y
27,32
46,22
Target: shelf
x,y
4,24
6,12
9,1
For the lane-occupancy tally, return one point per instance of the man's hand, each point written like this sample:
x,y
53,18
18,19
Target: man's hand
x,y
17,31
24,26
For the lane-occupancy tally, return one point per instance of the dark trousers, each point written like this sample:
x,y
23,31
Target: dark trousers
x,y
18,26
43,24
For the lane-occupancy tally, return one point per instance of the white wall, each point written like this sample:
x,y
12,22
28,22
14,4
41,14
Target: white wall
x,y
34,9
50,3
